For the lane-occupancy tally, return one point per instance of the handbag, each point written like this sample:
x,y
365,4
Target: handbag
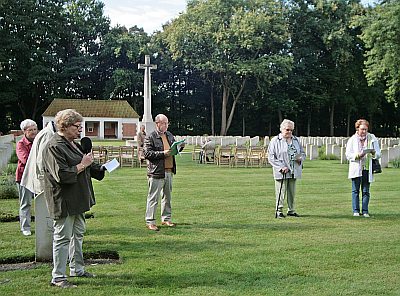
x,y
376,166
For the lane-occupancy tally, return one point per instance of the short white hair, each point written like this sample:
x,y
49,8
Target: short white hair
x,y
285,123
27,123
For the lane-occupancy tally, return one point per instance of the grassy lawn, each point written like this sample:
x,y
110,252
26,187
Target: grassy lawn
x,y
227,241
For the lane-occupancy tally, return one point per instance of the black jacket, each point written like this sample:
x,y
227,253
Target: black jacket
x,y
66,191
153,150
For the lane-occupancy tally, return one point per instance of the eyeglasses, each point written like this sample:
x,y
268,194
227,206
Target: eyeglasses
x,y
165,123
77,126
288,130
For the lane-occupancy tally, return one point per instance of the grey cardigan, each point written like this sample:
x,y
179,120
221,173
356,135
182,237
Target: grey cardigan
x,y
278,157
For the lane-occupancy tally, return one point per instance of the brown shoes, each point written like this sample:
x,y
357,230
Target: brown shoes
x,y
168,223
152,227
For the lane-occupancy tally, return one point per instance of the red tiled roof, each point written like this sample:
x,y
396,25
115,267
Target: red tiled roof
x,y
93,108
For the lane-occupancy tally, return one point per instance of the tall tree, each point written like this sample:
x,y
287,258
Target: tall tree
x,y
236,40
381,34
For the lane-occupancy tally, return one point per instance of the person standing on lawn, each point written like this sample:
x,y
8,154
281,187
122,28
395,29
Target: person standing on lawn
x,y
23,149
360,165
69,194
286,155
161,166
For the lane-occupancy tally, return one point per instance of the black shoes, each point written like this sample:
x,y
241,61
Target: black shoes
x,y
293,214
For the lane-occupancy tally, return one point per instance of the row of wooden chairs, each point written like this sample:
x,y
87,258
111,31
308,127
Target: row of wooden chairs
x,y
126,155
232,156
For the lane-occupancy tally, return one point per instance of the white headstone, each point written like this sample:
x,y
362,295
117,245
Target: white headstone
x,y
43,230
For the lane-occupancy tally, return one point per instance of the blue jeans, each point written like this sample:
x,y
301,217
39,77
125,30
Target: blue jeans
x,y
355,192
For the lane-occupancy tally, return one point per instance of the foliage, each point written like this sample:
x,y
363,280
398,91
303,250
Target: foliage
x,y
381,30
227,241
323,156
8,189
235,41
396,163
14,157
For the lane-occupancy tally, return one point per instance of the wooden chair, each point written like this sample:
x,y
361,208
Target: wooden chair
x,y
256,156
112,152
127,156
196,153
240,156
223,156
99,154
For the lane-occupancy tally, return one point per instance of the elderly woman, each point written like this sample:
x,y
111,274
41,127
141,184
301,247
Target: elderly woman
x,y
361,148
286,155
23,149
69,194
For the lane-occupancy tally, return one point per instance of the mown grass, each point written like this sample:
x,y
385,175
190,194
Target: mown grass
x,y
227,241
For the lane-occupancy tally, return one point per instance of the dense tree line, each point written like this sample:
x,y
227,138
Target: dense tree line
x,y
224,67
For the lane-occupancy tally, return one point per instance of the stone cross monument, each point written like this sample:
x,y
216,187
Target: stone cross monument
x,y
147,119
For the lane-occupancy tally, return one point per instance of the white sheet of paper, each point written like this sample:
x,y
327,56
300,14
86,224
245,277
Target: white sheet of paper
x,y
368,150
111,165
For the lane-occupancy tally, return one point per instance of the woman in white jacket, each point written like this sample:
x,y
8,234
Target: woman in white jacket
x,y
361,148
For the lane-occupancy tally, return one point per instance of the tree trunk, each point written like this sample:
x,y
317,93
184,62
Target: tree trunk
x,y
212,110
235,100
331,115
348,124
280,116
309,124
225,94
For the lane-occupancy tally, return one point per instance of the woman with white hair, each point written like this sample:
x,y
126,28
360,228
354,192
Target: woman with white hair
x,y
69,194
286,155
23,149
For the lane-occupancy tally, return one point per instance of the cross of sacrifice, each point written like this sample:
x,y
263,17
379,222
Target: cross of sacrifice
x,y
147,88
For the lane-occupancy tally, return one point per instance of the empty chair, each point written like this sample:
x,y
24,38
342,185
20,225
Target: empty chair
x,y
99,154
256,156
240,156
127,156
223,156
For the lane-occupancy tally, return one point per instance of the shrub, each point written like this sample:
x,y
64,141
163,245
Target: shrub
x,y
14,157
329,157
8,189
10,170
396,163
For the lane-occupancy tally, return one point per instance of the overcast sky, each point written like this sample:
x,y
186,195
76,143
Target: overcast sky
x,y
148,14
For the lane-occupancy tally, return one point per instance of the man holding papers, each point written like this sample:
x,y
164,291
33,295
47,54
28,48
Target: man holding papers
x,y
160,149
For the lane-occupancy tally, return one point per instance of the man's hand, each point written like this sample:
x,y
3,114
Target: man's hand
x,y
167,152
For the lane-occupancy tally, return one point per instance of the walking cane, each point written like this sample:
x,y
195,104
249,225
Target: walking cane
x,y
279,196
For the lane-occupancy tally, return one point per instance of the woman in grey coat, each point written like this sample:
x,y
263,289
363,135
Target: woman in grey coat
x,y
286,155
69,194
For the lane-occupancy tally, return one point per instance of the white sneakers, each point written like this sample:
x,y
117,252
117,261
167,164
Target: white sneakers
x,y
26,232
366,215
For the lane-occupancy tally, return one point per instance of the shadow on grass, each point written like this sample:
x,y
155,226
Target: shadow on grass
x,y
235,280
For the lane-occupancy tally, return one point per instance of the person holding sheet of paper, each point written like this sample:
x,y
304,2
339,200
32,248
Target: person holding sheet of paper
x,y
160,168
69,194
361,148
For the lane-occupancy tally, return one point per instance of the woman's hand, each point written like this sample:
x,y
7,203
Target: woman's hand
x,y
284,170
87,159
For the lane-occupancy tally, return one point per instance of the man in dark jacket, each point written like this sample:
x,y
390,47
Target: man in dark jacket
x,y
160,168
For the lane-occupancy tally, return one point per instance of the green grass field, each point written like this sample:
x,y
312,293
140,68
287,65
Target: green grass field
x,y
227,241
